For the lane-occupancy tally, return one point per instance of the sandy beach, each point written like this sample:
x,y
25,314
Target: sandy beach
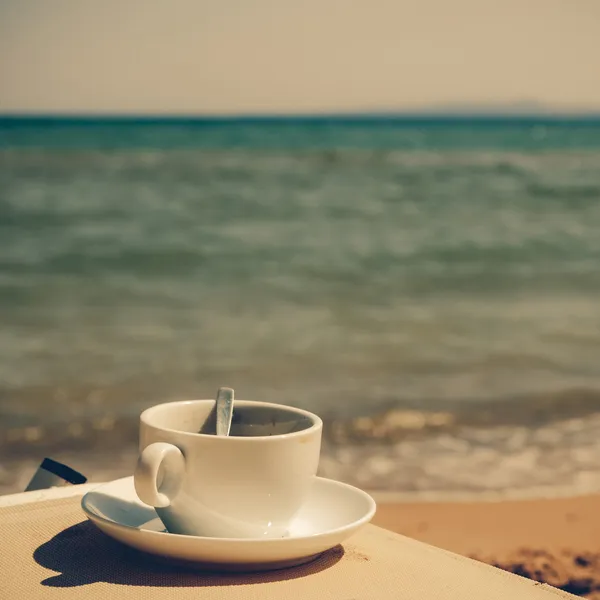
x,y
556,540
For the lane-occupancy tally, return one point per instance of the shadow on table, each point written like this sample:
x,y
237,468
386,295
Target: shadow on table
x,y
82,554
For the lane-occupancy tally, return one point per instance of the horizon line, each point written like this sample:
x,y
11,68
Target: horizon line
x,y
373,115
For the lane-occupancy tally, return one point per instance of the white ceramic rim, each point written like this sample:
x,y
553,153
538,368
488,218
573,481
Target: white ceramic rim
x,y
317,423
286,540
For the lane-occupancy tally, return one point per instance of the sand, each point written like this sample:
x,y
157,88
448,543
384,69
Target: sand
x,y
556,541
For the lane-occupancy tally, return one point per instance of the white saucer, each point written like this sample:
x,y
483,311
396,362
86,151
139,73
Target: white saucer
x,y
332,513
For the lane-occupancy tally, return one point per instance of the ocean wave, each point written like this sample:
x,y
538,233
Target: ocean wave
x,y
401,421
520,447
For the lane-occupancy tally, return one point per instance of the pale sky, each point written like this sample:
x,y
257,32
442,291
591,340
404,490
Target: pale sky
x,y
249,56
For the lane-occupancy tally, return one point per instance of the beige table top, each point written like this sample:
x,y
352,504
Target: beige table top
x,y
48,549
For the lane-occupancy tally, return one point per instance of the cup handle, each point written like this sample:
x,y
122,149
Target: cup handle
x,y
145,479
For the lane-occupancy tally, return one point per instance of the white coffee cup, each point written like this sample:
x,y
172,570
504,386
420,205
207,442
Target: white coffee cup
x,y
249,484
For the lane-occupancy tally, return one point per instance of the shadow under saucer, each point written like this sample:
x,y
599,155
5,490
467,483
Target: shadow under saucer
x,y
81,555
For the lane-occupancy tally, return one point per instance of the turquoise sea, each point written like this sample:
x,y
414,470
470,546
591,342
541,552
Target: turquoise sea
x,y
429,285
